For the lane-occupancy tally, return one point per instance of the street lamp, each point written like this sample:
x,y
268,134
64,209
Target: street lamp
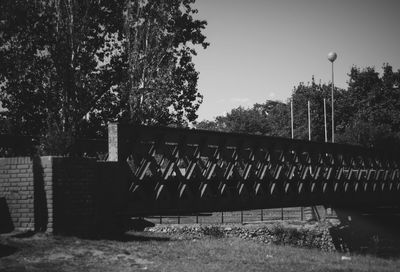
x,y
291,116
332,57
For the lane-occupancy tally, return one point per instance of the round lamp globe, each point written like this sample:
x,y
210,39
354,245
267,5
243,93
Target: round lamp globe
x,y
332,56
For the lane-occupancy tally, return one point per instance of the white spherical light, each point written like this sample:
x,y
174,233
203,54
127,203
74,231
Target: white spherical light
x,y
332,56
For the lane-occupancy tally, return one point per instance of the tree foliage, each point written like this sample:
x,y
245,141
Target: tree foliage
x,y
315,94
69,67
162,85
372,107
270,118
53,71
366,113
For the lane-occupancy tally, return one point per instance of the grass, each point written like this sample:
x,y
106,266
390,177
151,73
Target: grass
x,y
154,252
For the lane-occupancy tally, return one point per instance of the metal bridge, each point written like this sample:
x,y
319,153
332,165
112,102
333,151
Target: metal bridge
x,y
182,170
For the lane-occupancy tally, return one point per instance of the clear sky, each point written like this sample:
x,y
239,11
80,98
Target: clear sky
x,y
261,49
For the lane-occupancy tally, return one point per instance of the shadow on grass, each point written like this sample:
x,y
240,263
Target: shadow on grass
x,y
27,234
6,250
129,236
137,237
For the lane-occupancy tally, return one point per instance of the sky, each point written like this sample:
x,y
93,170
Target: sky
x,y
261,49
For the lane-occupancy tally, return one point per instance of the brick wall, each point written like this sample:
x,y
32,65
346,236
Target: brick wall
x,y
25,183
53,194
16,186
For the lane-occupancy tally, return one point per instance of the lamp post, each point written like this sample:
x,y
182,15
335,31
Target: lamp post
x,y
309,119
332,57
326,130
291,117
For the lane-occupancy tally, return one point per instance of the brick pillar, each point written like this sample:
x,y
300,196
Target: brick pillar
x,y
75,184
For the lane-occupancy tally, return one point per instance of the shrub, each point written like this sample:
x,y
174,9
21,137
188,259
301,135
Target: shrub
x,y
213,231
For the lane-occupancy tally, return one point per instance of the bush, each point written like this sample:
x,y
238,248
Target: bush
x,y
213,231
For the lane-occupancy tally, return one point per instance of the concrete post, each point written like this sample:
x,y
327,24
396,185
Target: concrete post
x,y
113,142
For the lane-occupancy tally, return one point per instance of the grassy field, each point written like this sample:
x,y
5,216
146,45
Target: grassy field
x,y
156,252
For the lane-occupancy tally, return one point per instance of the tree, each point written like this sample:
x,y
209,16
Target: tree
x,y
69,67
270,118
373,107
162,85
277,118
315,94
58,63
239,120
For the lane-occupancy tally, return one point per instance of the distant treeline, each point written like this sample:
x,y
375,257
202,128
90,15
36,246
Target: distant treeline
x,y
367,113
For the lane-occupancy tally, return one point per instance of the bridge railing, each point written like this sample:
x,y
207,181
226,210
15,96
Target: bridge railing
x,y
227,171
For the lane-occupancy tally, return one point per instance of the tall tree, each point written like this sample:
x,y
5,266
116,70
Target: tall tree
x,y
315,94
58,62
373,107
277,118
161,38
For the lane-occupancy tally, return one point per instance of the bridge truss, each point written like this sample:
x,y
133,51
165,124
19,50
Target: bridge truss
x,y
184,170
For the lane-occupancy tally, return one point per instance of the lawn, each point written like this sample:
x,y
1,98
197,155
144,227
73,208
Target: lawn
x,y
138,251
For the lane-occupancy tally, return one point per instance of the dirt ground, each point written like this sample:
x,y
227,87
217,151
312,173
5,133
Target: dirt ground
x,y
145,251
